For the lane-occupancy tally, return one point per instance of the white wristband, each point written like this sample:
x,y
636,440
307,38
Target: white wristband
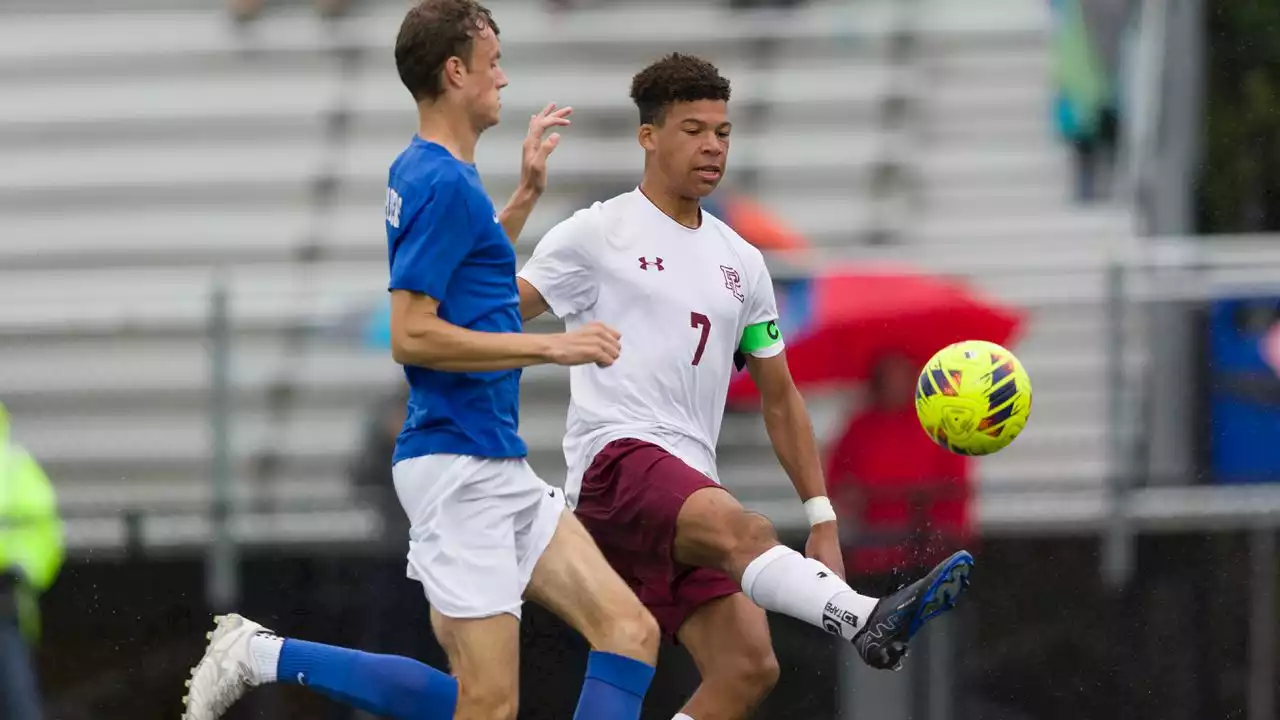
x,y
819,510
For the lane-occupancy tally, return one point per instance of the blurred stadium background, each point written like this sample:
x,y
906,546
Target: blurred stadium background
x,y
192,262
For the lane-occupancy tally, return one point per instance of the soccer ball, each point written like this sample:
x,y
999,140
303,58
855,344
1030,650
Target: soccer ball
x,y
973,398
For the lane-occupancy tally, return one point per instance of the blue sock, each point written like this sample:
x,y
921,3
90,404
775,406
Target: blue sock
x,y
386,685
614,688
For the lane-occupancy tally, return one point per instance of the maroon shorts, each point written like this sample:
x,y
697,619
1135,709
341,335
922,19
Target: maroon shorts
x,y
630,499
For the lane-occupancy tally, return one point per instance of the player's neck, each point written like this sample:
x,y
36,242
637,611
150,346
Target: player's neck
x,y
454,133
686,211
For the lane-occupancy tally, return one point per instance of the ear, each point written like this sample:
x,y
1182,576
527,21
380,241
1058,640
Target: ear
x,y
454,72
647,136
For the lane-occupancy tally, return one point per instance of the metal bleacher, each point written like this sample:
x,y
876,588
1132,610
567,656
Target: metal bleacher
x,y
152,151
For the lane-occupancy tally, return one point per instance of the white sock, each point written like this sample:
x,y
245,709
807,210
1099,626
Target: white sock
x,y
784,581
265,650
681,716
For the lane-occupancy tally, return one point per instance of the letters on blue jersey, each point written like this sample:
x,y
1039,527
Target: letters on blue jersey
x,y
394,203
444,240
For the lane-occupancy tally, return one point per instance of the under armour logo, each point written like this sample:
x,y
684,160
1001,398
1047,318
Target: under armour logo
x,y
656,262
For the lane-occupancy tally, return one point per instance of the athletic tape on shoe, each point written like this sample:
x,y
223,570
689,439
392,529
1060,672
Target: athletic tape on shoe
x,y
760,336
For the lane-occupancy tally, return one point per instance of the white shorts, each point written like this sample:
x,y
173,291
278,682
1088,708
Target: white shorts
x,y
477,526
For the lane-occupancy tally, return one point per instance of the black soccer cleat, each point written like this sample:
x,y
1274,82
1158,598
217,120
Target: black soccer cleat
x,y
882,642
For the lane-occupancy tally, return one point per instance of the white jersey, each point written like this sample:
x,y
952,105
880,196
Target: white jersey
x,y
681,299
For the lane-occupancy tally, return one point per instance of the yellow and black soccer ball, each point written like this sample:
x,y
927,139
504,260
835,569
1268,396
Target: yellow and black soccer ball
x,y
973,397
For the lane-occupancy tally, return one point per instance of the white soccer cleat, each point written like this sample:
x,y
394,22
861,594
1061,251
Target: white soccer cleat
x,y
225,672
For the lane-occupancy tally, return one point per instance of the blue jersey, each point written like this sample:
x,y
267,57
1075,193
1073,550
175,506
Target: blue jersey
x,y
444,240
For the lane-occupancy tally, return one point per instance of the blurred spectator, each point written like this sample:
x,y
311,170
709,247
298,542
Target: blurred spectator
x,y
902,498
1087,48
1110,25
247,10
31,553
370,470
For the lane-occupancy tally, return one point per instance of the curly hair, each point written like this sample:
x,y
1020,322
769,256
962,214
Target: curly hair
x,y
432,32
673,79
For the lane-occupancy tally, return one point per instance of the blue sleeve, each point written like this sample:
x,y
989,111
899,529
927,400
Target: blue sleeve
x,y
434,242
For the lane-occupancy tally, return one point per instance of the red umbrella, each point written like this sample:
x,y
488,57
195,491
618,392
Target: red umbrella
x,y
858,316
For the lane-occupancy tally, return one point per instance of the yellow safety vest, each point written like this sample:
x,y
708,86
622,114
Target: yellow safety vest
x,y
31,542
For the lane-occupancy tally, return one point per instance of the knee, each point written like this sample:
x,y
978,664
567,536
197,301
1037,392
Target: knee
x,y
763,673
634,633
748,679
750,534
759,673
478,700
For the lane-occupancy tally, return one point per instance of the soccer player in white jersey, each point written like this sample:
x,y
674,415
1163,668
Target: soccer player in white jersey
x,y
689,295
486,533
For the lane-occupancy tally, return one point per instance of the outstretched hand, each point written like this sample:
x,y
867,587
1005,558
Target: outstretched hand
x,y
538,146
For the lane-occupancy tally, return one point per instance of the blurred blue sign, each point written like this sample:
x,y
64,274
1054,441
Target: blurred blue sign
x,y
1244,390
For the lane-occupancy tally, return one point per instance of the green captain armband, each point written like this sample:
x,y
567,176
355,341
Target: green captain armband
x,y
760,336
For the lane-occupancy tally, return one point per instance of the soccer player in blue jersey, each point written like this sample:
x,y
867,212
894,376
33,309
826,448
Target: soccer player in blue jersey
x,y
486,533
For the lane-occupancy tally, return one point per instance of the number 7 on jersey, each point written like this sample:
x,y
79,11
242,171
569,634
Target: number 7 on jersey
x,y
698,320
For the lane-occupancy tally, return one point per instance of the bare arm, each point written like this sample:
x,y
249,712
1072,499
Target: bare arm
x,y
420,337
791,431
786,419
532,304
514,216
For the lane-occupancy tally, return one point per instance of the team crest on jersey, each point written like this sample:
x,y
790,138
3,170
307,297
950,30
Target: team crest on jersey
x,y
733,281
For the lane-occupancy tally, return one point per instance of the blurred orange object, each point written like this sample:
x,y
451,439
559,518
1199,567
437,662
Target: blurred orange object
x,y
760,227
